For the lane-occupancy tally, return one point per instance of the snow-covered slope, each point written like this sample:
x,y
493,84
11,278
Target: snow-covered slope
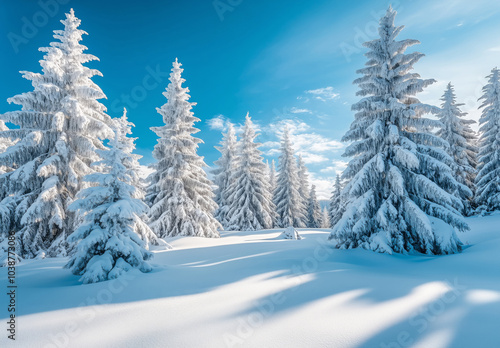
x,y
254,289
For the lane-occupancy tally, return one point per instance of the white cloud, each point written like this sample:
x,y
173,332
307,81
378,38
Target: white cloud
x,y
337,167
323,94
324,186
218,122
295,110
294,126
310,145
310,158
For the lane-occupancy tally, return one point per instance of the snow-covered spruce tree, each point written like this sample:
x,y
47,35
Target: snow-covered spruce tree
x,y
303,187
314,215
61,124
226,165
289,204
460,137
488,175
336,208
5,143
393,202
250,196
325,218
123,128
5,206
112,237
182,198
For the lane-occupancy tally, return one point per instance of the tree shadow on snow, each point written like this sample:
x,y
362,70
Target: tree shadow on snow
x,y
308,276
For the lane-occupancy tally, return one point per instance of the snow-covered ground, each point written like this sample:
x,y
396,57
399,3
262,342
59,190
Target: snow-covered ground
x,y
252,289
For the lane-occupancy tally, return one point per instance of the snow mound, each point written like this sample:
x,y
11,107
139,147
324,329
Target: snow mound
x,y
290,233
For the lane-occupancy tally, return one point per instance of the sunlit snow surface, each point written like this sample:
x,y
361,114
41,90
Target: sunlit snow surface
x,y
254,289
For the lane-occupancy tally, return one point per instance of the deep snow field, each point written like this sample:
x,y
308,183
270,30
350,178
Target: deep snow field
x,y
253,289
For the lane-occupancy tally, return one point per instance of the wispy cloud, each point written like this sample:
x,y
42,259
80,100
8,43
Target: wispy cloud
x,y
323,94
218,122
295,110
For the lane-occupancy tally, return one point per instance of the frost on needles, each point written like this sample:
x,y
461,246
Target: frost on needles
x,y
400,181
61,125
109,235
180,194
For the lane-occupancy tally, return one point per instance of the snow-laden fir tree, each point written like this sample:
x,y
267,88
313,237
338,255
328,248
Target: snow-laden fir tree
x,y
112,238
393,201
182,201
250,196
314,215
303,187
61,125
123,128
460,137
5,206
488,175
325,218
289,203
336,206
5,143
225,167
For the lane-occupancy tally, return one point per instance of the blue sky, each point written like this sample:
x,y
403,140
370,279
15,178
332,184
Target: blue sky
x,y
283,61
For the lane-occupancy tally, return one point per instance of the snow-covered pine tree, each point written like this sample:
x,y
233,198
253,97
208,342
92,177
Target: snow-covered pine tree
x,y
112,238
314,215
457,132
325,218
226,165
488,175
5,206
5,143
336,207
61,124
182,198
303,187
250,196
289,204
123,128
393,202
